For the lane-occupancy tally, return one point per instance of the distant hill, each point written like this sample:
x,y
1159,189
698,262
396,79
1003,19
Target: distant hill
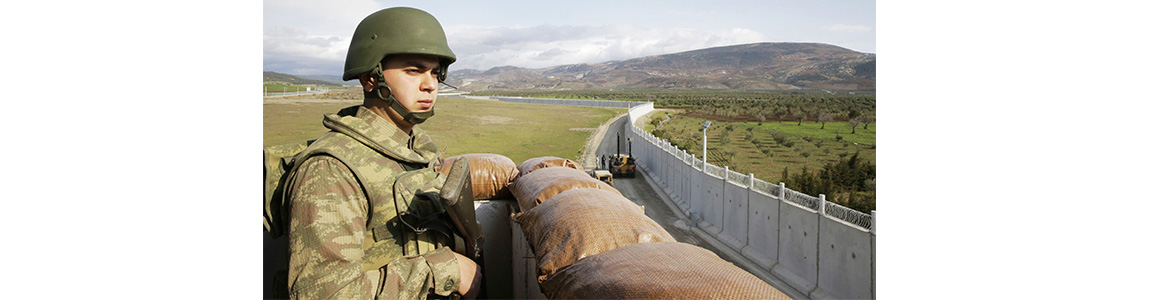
x,y
762,66
273,77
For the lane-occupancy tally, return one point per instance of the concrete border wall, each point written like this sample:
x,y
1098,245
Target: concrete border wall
x,y
783,232
821,256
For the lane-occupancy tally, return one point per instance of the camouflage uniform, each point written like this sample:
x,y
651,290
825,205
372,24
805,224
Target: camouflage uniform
x,y
346,236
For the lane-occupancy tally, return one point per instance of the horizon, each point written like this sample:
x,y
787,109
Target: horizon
x,y
307,38
530,68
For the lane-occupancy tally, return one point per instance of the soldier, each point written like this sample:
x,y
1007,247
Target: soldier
x,y
361,199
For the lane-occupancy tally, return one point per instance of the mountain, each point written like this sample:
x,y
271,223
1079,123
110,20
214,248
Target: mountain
x,y
273,77
762,66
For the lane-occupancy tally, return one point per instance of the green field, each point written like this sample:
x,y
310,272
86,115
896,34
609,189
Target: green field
x,y
517,130
281,88
750,148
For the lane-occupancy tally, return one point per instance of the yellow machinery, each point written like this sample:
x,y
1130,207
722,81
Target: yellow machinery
x,y
621,165
604,176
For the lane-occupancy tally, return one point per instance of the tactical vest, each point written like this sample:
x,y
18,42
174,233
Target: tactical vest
x,y
400,196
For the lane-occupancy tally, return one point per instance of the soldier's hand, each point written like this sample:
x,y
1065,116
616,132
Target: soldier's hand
x,y
469,276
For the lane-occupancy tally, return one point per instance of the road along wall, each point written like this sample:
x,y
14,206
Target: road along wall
x,y
823,250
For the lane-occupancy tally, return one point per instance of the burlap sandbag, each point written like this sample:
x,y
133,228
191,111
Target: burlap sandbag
x,y
490,174
537,163
583,222
540,185
666,270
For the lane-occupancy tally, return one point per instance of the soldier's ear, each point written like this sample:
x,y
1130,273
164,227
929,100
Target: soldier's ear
x,y
367,81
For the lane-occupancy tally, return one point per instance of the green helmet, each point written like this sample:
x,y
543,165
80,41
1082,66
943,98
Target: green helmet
x,y
396,30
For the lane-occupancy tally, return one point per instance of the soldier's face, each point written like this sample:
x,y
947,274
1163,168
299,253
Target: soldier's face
x,y
413,79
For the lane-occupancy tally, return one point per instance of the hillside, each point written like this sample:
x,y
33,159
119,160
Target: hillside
x,y
273,77
762,66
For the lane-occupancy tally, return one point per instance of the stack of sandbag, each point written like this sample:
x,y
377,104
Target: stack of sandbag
x,y
537,163
490,174
537,186
593,243
665,270
582,222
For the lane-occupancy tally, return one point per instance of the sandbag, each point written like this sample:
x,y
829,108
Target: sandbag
x,y
666,270
490,174
540,185
537,163
582,222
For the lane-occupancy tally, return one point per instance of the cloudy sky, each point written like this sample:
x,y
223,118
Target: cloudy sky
x,y
311,37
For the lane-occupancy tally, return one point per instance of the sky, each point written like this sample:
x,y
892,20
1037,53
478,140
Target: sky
x,y
311,37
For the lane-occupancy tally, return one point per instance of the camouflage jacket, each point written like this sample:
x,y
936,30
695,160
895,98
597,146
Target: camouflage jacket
x,y
345,197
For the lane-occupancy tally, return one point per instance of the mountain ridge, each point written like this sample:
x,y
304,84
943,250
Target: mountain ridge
x,y
758,66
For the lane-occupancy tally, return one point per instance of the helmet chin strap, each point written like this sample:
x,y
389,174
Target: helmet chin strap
x,y
382,91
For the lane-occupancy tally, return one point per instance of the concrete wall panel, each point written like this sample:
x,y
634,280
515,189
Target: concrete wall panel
x,y
735,215
713,205
763,233
675,183
846,262
797,248
698,190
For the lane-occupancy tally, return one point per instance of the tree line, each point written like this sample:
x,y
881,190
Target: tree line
x,y
760,106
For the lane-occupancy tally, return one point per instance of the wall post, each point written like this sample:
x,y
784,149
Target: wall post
x,y
821,211
873,222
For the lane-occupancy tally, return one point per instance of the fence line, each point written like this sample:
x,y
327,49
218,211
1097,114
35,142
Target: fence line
x,y
297,93
810,202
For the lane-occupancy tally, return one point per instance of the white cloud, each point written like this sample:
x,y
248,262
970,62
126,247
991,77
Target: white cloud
x,y
307,38
483,47
849,28
315,54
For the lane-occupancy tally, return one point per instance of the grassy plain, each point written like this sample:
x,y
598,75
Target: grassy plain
x,y
751,148
517,130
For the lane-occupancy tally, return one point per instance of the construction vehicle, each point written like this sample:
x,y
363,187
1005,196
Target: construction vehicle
x,y
621,165
604,176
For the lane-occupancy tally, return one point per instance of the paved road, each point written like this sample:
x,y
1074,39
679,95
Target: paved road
x,y
639,191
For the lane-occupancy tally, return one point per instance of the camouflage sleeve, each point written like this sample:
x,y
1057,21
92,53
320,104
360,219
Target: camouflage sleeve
x,y
327,220
414,277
